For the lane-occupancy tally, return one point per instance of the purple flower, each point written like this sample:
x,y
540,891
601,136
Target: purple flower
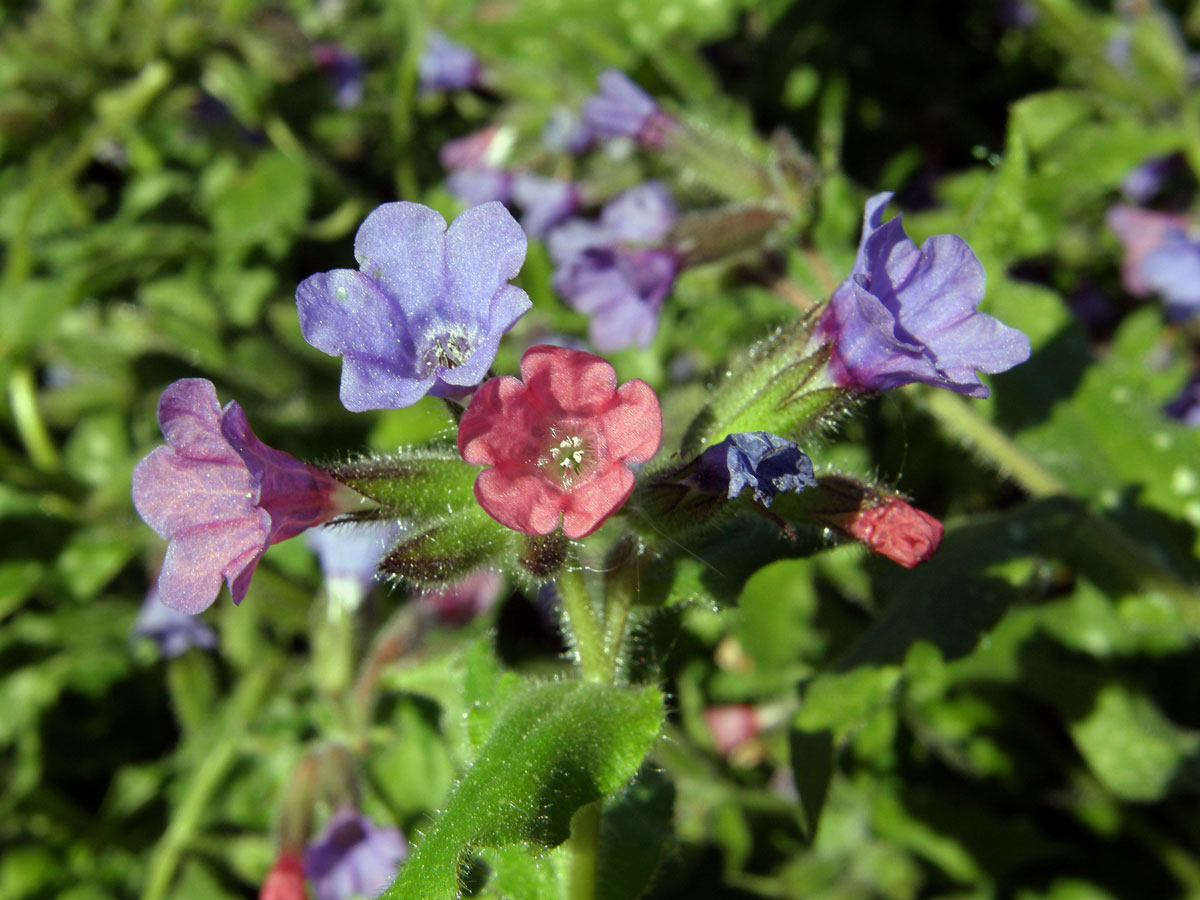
x,y
220,496
622,109
1185,406
467,598
764,462
426,310
173,631
567,132
1172,270
471,151
481,185
350,553
621,287
905,315
344,71
353,857
545,201
1142,232
447,66
1147,179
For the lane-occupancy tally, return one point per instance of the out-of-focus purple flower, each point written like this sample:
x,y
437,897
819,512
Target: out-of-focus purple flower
x,y
905,315
473,151
1147,179
350,554
545,201
467,598
567,132
766,463
173,631
1173,272
427,308
1017,14
603,273
1142,232
343,69
1118,46
1185,406
622,109
353,857
220,496
483,185
447,66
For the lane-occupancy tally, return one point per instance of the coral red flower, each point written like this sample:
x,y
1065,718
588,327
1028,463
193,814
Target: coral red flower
x,y
558,443
900,532
285,881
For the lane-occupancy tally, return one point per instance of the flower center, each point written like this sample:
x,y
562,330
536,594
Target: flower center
x,y
568,457
446,351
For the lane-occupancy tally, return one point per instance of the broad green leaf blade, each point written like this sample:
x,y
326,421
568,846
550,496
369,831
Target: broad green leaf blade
x,y
555,747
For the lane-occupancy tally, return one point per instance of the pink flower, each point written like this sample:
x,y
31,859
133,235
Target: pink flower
x,y
732,725
1141,232
901,532
558,443
285,881
220,496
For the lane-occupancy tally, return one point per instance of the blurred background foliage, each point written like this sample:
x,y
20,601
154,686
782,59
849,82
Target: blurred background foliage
x,y
1019,718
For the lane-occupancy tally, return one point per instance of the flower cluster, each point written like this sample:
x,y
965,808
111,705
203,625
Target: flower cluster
x,y
1160,256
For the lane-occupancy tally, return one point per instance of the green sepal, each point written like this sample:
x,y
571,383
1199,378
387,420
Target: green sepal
x,y
451,548
415,485
777,385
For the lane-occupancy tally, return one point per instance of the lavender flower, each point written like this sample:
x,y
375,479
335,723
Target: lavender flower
x,y
220,496
1142,232
482,185
426,310
545,201
621,287
353,857
567,132
905,315
1172,270
764,462
350,554
447,66
622,109
344,71
1147,179
173,631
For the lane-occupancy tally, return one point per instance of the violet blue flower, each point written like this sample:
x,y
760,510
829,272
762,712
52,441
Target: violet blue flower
x,y
567,132
905,315
426,310
1185,406
353,857
173,631
621,287
1141,232
447,66
220,496
1172,270
350,554
545,201
1148,178
764,462
481,185
622,109
344,71
467,598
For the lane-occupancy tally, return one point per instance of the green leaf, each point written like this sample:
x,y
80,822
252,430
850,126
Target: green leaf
x,y
555,747
636,826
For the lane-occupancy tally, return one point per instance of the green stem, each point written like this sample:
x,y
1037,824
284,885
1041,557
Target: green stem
x,y
993,445
583,851
22,397
585,624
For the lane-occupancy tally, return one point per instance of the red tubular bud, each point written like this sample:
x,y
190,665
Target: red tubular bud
x,y
732,725
900,532
285,881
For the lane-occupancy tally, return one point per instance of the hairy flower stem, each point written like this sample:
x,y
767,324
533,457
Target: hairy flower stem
x,y
585,624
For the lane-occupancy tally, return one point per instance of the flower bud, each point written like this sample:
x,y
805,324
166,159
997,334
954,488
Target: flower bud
x,y
285,881
900,532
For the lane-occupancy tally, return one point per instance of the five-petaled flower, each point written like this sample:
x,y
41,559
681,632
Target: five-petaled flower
x,y
353,857
559,442
220,496
905,315
426,310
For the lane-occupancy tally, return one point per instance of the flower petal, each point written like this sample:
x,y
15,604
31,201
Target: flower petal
x,y
345,312
199,558
519,500
633,425
189,415
403,246
589,504
569,381
485,247
172,493
498,425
